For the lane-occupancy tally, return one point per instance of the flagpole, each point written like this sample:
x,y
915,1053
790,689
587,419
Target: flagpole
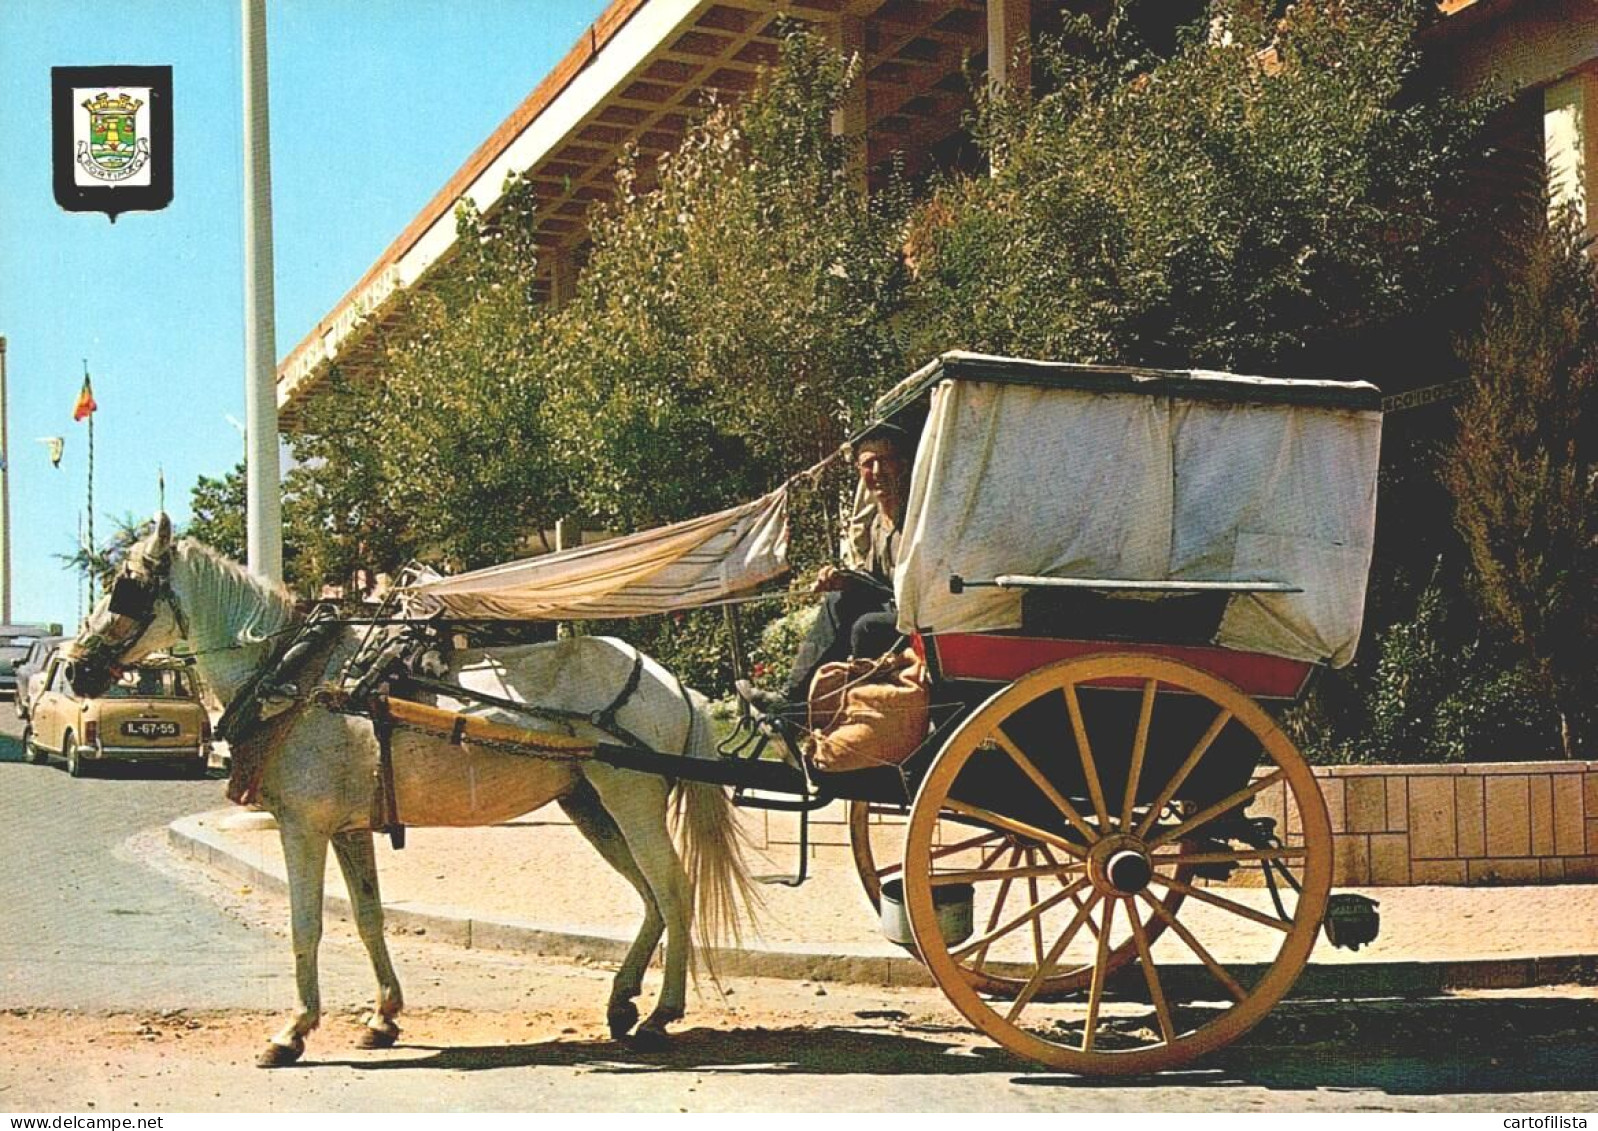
x,y
82,546
91,487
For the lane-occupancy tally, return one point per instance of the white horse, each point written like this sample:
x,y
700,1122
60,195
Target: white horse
x,y
321,771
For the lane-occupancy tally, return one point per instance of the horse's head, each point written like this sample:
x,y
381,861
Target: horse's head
x,y
137,617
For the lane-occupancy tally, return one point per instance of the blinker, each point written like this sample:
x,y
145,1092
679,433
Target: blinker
x,y
130,599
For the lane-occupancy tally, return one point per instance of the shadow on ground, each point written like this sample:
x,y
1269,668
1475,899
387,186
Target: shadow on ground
x,y
1434,1047
827,1050
1442,1046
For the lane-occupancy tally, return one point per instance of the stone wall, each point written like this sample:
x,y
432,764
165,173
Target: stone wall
x,y
1488,823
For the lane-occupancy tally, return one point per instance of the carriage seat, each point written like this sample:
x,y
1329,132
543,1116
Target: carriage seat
x,y
1082,614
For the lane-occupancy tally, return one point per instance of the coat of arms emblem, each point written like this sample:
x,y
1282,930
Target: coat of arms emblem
x,y
112,138
114,150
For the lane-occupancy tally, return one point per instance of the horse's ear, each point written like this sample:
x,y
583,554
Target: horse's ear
x,y
161,541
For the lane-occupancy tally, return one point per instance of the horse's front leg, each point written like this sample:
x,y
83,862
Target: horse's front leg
x,y
305,857
359,865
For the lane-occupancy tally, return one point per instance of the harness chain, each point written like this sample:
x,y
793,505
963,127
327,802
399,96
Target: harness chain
x,y
505,746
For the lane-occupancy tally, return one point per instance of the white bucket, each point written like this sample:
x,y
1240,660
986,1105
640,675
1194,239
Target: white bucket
x,y
951,902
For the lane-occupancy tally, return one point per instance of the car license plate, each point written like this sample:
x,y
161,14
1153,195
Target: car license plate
x,y
150,728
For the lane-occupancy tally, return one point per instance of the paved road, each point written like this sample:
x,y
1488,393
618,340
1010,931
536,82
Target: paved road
x,y
88,926
105,934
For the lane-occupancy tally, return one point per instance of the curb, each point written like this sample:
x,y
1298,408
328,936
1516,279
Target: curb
x,y
1319,981
458,927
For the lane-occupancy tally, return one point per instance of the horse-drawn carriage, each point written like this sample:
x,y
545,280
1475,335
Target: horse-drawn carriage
x,y
1112,577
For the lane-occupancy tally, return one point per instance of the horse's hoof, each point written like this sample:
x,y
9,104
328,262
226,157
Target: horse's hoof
x,y
622,1017
280,1056
379,1034
649,1040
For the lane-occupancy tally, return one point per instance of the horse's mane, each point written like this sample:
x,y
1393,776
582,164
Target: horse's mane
x,y
236,606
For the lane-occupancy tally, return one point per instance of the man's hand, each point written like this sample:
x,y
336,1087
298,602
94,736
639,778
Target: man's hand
x,y
830,580
834,579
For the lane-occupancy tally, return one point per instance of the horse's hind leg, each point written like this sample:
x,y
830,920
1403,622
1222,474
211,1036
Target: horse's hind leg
x,y
305,857
359,864
637,804
586,812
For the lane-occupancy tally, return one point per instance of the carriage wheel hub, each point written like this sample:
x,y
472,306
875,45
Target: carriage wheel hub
x,y
1120,865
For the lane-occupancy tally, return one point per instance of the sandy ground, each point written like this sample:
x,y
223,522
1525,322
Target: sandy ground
x,y
778,1050
500,1031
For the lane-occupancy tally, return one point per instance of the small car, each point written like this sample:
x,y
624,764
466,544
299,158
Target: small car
x,y
152,713
30,670
15,642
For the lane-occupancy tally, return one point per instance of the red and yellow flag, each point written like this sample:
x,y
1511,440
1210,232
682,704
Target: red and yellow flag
x,y
85,406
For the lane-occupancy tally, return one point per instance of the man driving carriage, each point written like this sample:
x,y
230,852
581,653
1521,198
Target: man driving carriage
x,y
858,617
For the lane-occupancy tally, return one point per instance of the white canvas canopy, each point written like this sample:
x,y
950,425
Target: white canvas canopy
x,y
673,567
1080,472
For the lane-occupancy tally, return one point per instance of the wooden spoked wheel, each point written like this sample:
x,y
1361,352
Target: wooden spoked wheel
x,y
1123,774
868,839
870,863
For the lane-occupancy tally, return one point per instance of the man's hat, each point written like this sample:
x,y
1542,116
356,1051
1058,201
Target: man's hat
x,y
886,430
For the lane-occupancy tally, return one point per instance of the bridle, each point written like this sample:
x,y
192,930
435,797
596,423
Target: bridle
x,y
132,610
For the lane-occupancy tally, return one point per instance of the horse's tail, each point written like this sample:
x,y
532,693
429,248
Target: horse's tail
x,y
712,845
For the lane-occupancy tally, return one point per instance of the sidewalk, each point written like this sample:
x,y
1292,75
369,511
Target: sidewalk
x,y
536,885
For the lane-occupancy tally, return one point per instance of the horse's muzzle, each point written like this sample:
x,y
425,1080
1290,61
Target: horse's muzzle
x,y
89,679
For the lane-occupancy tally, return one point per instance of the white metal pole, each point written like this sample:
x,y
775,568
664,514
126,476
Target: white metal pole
x,y
263,504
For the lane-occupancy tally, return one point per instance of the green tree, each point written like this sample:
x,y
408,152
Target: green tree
x,y
466,443
446,458
1446,689
102,563
734,319
1252,201
1523,468
730,324
346,515
218,507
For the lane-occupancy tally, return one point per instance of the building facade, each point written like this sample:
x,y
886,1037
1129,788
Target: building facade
x,y
645,68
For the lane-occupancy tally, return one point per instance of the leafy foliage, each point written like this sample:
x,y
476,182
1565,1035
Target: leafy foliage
x,y
1446,693
448,456
1441,687
102,563
347,514
218,508
735,319
1254,196
1523,468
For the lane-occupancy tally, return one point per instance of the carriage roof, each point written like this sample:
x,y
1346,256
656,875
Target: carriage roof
x,y
906,402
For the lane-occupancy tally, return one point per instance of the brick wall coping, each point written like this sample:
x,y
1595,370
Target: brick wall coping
x,y
1456,769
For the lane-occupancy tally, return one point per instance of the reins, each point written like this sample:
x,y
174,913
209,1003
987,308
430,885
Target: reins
x,y
196,653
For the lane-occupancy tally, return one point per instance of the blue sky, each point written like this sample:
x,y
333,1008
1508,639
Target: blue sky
x,y
374,104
